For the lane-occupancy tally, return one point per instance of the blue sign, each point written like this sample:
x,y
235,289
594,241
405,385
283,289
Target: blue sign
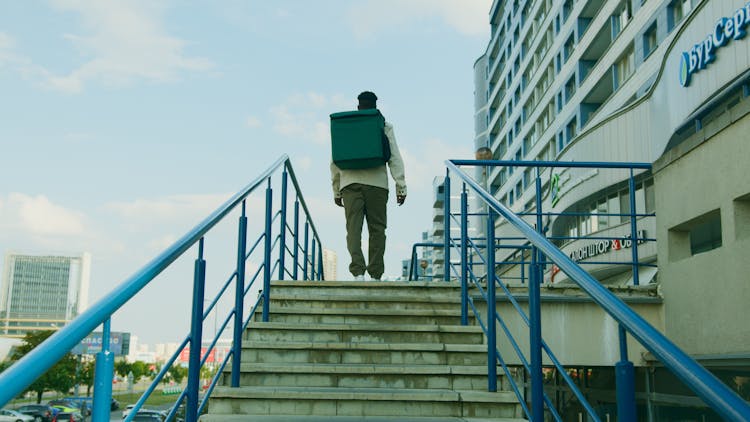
x,y
704,52
119,344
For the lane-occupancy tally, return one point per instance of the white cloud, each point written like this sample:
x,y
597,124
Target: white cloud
x,y
468,17
305,116
126,41
37,215
253,122
169,207
6,42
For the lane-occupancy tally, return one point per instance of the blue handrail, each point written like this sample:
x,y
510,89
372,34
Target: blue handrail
x,y
709,388
22,373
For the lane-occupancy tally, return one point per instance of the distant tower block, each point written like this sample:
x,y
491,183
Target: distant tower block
x,y
330,260
42,292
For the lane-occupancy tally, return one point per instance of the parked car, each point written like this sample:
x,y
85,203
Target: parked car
x,y
40,412
85,403
65,406
149,415
115,405
7,415
69,417
127,410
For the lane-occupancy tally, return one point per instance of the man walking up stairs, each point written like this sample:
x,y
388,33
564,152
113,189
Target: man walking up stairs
x,y
349,351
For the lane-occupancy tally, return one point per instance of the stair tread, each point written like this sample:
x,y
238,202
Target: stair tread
x,y
365,284
295,418
363,311
369,394
432,328
304,345
338,368
360,297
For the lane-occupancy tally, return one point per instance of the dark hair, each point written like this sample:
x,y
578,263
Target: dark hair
x,y
367,99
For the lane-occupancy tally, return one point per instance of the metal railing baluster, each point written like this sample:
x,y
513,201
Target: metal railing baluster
x,y
267,253
196,333
239,295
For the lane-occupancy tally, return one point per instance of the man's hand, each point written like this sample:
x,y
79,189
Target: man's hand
x,y
338,201
400,199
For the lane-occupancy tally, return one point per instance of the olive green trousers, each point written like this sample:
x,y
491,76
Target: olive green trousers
x,y
365,202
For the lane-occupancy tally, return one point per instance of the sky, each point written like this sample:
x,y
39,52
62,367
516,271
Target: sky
x,y
125,123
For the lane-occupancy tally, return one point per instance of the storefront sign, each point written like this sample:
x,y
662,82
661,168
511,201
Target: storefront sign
x,y
119,344
605,245
704,52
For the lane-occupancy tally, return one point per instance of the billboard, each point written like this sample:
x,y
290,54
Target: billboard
x,y
119,344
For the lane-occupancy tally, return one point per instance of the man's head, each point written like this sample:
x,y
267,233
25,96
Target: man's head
x,y
367,100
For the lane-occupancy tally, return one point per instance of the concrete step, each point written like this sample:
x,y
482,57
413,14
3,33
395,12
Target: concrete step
x,y
323,401
399,288
364,333
306,315
291,418
451,377
364,353
368,300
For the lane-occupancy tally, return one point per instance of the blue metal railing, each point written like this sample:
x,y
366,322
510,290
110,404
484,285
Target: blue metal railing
x,y
544,252
25,371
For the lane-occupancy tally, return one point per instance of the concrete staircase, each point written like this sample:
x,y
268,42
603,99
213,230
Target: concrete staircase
x,y
363,351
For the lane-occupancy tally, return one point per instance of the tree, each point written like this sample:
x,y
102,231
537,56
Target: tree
x,y
176,373
122,368
86,375
60,377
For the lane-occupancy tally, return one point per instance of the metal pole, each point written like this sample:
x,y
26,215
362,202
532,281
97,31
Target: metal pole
x,y
491,311
464,253
312,259
321,276
282,233
535,339
413,273
295,270
267,253
305,254
633,230
625,380
535,316
196,333
105,365
447,227
239,295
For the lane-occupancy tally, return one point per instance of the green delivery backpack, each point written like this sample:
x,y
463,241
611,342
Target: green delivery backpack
x,y
358,139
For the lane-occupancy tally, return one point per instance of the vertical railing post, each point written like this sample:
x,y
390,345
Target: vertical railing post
x,y
625,382
103,373
305,249
535,316
282,233
491,310
196,334
295,270
464,257
633,230
321,276
312,258
447,227
267,253
413,273
239,296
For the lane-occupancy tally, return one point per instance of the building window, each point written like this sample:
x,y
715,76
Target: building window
x,y
676,11
649,41
622,17
624,67
571,130
706,235
519,189
568,48
570,88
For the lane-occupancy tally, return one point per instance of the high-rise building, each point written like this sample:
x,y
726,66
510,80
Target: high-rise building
x,y
662,82
330,261
42,292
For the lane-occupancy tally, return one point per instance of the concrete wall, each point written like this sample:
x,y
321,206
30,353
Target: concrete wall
x,y
706,295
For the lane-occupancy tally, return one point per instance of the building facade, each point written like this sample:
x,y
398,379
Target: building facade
x,y
665,82
42,292
330,264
